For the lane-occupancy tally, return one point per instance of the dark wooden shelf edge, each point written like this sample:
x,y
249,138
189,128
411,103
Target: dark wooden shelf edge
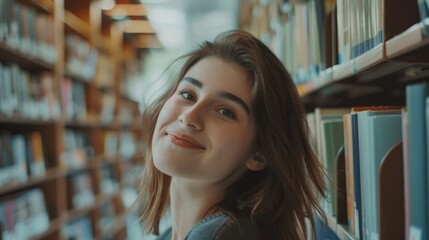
x,y
9,54
31,182
91,163
403,60
77,212
26,121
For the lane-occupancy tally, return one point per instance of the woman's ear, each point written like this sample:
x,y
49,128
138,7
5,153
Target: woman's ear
x,y
257,162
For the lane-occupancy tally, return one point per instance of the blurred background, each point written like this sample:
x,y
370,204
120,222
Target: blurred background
x,y
180,26
75,76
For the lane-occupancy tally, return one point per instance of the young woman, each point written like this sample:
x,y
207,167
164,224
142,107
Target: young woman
x,y
227,148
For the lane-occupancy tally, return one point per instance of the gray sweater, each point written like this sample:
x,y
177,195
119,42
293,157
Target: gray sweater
x,y
220,226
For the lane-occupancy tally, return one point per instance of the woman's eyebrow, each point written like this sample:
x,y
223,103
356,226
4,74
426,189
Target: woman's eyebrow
x,y
193,81
233,98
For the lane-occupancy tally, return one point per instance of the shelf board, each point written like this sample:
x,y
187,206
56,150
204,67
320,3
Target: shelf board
x,y
411,39
82,124
368,59
91,163
46,6
88,82
24,121
385,69
76,25
326,78
90,124
30,182
131,127
342,71
77,212
10,55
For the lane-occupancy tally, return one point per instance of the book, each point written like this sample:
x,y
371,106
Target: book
x,y
332,140
110,144
325,114
406,170
6,159
37,160
108,183
416,95
423,9
107,220
78,228
19,157
356,177
23,215
348,155
341,188
81,190
378,132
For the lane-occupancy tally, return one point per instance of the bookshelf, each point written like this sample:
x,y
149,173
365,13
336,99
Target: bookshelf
x,y
69,133
371,58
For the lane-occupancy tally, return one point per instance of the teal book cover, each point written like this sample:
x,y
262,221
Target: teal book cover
x,y
417,161
384,132
368,168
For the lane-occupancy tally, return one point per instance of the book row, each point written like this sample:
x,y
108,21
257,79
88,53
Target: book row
x,y
24,215
27,94
27,30
311,36
21,156
376,163
32,95
87,62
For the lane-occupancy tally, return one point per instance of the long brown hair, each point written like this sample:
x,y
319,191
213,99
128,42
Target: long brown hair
x,y
279,198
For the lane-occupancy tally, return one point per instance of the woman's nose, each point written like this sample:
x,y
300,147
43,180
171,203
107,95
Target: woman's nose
x,y
191,118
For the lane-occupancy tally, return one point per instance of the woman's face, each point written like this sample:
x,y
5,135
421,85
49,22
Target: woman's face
x,y
206,129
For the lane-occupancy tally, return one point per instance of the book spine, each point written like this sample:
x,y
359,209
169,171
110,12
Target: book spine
x,y
418,177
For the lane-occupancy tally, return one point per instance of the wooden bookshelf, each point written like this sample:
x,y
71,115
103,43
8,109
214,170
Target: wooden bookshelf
x,y
79,117
377,76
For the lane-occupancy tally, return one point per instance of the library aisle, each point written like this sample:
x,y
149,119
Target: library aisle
x,y
70,134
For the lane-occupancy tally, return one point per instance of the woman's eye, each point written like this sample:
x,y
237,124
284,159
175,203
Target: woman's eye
x,y
188,96
227,113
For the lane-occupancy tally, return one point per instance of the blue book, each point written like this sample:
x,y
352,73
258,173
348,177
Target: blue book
x,y
417,160
324,232
423,9
356,173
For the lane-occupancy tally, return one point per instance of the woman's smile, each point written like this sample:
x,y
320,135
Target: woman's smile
x,y
184,141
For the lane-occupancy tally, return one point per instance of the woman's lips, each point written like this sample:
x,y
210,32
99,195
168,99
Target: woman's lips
x,y
184,141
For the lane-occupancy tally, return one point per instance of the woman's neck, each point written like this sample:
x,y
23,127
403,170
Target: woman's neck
x,y
191,202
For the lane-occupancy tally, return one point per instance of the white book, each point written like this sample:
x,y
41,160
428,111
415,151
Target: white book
x,y
39,219
380,23
19,157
